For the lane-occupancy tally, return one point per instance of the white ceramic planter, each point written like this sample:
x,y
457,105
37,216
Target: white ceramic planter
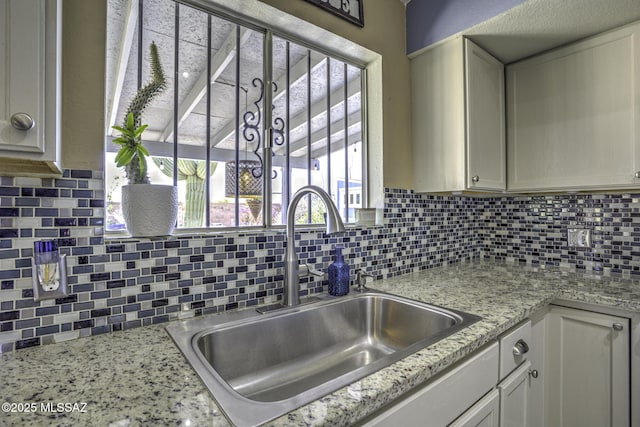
x,y
149,209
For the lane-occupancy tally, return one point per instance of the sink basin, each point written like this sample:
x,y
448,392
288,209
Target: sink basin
x,y
263,366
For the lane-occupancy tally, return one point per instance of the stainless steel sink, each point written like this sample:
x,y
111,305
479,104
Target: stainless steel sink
x,y
263,366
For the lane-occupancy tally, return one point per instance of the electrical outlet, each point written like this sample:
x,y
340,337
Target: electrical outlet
x,y
56,287
579,237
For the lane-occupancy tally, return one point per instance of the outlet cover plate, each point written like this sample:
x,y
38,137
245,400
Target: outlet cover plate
x,y
39,292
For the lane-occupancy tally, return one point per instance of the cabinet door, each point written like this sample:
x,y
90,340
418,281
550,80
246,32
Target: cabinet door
x,y
437,108
22,62
458,121
485,413
587,372
29,78
514,397
485,110
538,374
573,116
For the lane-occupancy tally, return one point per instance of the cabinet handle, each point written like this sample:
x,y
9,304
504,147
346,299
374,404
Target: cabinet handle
x,y
638,174
22,121
476,178
520,348
533,373
618,327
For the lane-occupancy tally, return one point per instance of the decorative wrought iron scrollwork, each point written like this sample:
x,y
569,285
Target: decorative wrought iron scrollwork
x,y
251,131
252,120
278,131
278,125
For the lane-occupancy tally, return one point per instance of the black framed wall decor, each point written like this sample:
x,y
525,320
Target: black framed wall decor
x,y
351,10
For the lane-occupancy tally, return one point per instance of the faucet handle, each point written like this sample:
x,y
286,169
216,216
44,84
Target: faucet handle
x,y
361,280
309,270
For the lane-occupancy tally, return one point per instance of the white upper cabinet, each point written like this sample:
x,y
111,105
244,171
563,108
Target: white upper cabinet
x,y
485,125
458,119
573,116
30,41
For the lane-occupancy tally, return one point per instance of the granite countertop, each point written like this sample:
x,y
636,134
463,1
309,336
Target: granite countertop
x,y
139,377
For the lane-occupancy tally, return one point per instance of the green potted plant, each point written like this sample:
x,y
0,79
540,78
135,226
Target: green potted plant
x,y
148,209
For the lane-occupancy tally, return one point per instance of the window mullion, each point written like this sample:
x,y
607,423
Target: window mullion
x,y
267,66
346,145
309,220
286,191
176,93
207,210
328,107
363,138
140,40
237,130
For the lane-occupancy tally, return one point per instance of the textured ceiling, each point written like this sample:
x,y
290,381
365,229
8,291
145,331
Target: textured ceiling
x,y
539,25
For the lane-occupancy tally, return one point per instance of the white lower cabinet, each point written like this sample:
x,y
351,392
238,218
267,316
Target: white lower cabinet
x,y
514,402
442,400
573,371
535,412
587,364
521,355
510,405
485,413
515,397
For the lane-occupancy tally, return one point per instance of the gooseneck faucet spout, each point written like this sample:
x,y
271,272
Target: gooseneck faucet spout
x,y
334,225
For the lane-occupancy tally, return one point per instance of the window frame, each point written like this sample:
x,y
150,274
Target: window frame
x,y
269,32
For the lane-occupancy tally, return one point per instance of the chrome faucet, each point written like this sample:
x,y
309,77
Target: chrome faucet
x,y
291,294
361,280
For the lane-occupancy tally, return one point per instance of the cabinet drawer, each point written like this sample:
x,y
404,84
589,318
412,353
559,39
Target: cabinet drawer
x,y
442,400
514,348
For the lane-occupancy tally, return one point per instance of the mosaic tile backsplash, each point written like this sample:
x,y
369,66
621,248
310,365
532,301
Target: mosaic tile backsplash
x,y
121,284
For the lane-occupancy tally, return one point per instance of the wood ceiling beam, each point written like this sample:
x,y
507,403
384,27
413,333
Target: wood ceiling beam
x,y
298,72
124,52
337,127
320,106
196,152
336,145
219,63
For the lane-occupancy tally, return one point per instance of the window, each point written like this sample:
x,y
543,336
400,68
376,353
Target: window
x,y
206,131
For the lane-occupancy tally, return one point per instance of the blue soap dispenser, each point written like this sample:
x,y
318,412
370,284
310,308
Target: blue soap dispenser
x,y
339,275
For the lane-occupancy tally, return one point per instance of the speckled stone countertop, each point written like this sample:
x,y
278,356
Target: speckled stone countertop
x,y
139,377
